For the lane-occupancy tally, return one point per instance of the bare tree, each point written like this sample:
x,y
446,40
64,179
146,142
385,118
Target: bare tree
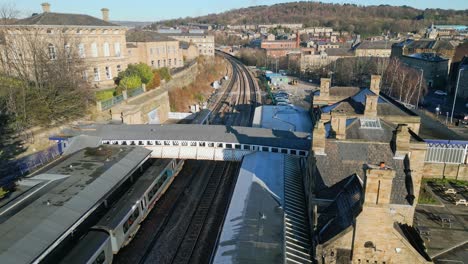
x,y
8,13
42,78
403,82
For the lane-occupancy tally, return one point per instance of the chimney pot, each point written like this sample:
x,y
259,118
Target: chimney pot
x,y
45,7
105,14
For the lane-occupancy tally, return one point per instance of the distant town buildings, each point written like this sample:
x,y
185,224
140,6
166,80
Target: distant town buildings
x,y
433,67
380,48
447,32
204,42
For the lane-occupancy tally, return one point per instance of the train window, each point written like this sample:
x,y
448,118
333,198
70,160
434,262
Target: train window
x,y
264,148
131,220
193,144
293,152
149,143
284,151
220,145
210,145
237,146
101,258
274,150
229,146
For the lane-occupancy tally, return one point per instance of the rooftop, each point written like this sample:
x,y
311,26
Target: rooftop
x,y
190,132
427,57
288,118
63,195
375,45
254,229
147,36
344,159
63,19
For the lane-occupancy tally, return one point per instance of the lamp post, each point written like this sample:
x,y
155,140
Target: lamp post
x,y
419,91
455,95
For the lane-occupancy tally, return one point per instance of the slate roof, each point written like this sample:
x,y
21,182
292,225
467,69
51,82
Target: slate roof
x,y
340,214
339,52
356,104
375,45
344,90
344,159
147,36
62,19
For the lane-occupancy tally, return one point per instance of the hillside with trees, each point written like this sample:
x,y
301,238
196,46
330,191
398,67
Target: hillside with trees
x,y
348,17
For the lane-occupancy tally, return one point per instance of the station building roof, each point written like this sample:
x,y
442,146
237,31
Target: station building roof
x,y
283,117
254,229
58,200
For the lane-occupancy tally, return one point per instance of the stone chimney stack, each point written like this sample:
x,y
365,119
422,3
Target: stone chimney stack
x,y
318,139
325,87
379,180
375,84
45,7
402,140
338,125
105,14
371,105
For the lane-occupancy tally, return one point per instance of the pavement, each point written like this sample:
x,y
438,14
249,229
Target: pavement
x,y
300,93
446,242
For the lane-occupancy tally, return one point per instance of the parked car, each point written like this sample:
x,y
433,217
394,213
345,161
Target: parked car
x,y
282,103
440,92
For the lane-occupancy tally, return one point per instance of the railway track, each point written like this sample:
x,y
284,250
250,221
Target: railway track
x,y
188,229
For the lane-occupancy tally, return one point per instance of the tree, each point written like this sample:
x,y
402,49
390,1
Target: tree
x,y
155,82
130,82
8,13
42,82
403,82
140,70
164,73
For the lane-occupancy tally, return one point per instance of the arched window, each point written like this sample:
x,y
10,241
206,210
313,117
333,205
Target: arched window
x,y
117,49
106,49
94,49
52,52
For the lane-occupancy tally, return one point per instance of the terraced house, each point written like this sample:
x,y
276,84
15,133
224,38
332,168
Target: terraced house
x,y
100,44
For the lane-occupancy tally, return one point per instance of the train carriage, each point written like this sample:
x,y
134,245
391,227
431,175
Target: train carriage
x,y
122,221
93,248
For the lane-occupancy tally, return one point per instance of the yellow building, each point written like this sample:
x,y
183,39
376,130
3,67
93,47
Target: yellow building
x,y
98,42
205,43
153,49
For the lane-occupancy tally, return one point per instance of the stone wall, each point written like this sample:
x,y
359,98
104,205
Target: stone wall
x,y
450,171
182,78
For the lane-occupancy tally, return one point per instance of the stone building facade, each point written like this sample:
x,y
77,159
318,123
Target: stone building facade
x,y
204,42
156,50
374,49
434,67
363,180
98,42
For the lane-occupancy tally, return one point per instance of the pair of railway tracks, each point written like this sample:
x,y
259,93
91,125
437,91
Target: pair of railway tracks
x,y
191,225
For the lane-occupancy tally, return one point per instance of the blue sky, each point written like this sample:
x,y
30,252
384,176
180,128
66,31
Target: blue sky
x,y
152,10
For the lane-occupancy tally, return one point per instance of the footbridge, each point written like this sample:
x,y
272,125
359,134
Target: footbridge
x,y
201,142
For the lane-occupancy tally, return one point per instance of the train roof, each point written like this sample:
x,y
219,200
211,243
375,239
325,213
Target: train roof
x,y
33,222
86,247
120,209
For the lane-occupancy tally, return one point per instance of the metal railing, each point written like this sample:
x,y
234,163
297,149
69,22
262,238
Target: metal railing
x,y
106,104
17,168
445,151
135,92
